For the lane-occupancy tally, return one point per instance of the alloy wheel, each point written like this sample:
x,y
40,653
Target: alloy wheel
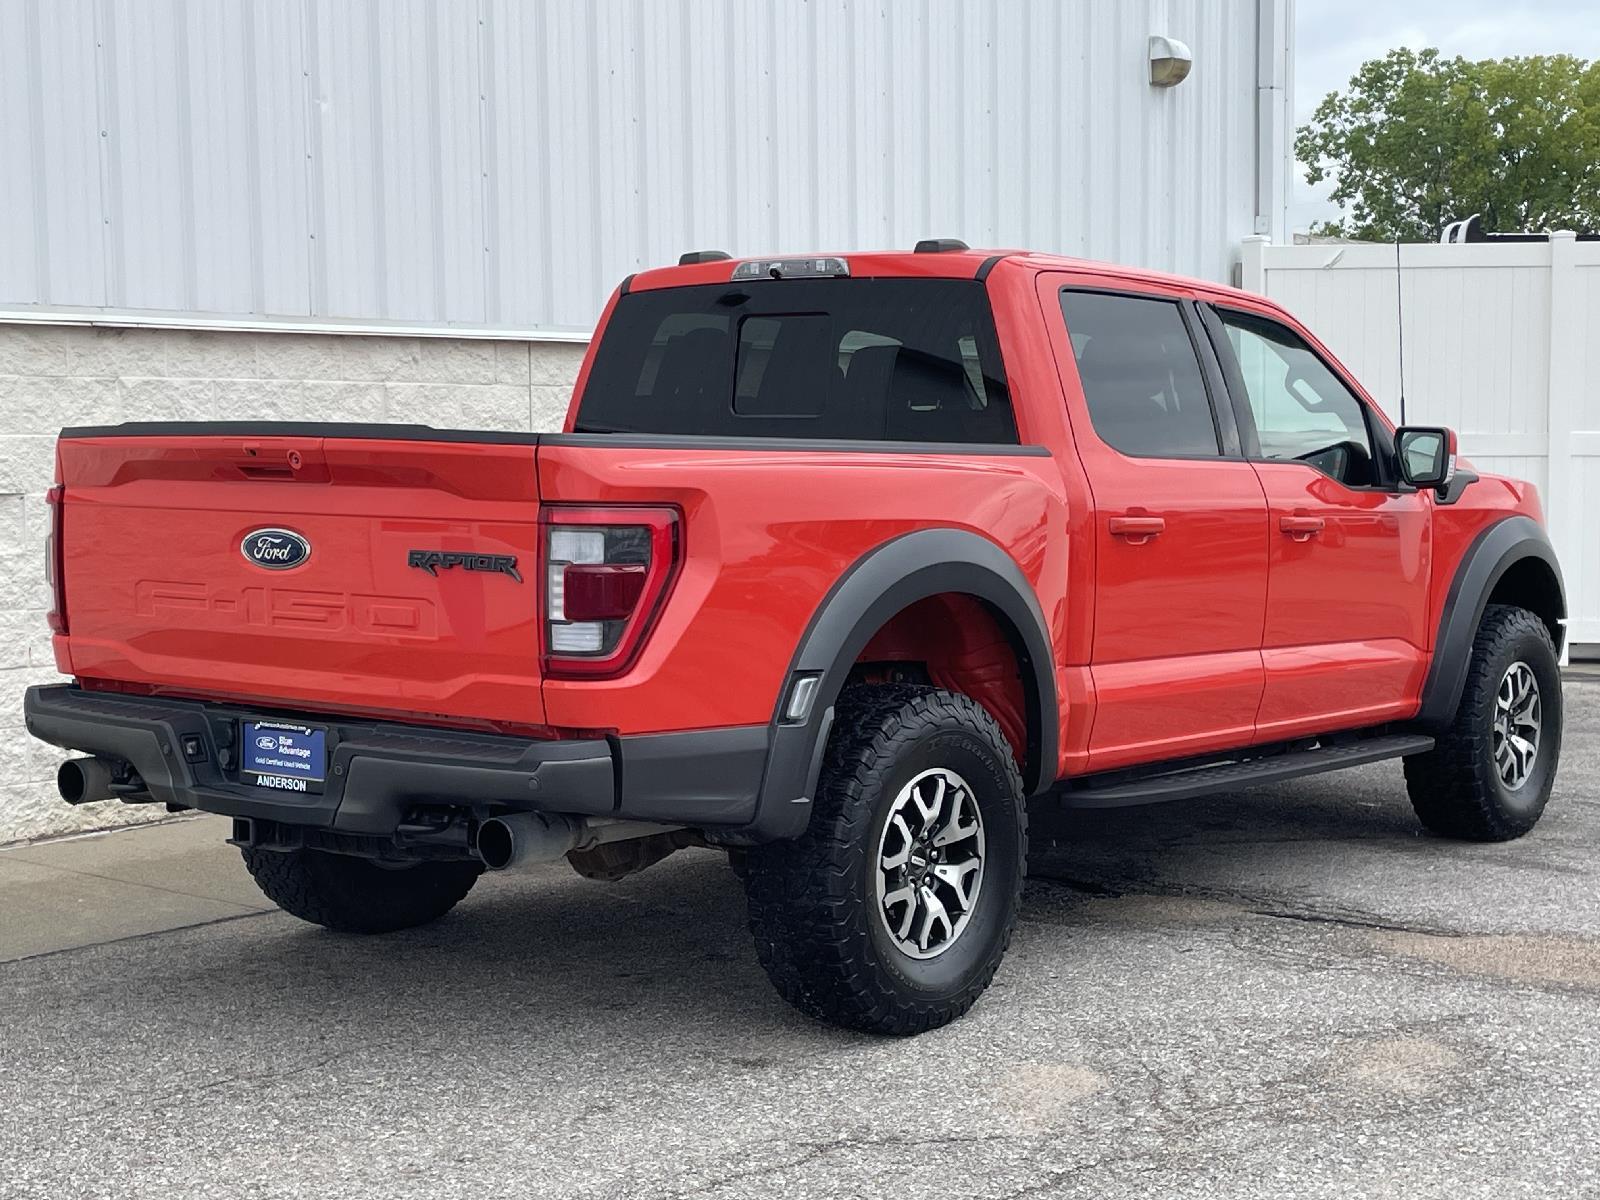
x,y
930,863
1517,718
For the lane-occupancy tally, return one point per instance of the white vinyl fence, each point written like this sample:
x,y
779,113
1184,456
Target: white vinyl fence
x,y
1501,342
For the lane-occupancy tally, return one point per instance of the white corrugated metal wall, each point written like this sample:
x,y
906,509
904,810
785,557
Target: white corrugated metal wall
x,y
503,163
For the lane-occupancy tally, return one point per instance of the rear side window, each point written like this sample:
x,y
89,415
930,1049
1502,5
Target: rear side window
x,y
1141,377
909,360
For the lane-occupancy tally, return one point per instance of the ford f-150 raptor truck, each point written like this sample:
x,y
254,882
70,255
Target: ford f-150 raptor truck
x,y
837,562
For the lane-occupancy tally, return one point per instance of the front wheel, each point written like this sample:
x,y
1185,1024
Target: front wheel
x,y
1489,775
893,910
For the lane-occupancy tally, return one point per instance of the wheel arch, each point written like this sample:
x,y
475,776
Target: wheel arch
x,y
877,587
1509,562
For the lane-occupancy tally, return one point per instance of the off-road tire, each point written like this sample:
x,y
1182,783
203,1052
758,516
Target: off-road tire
x,y
813,908
353,895
1455,788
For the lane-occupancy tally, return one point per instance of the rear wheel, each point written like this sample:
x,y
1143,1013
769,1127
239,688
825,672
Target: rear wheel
x,y
1489,775
356,895
892,912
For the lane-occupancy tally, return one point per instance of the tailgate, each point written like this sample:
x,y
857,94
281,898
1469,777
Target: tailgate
x,y
380,573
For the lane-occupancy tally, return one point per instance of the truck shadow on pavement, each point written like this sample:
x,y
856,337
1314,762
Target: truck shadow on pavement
x,y
666,954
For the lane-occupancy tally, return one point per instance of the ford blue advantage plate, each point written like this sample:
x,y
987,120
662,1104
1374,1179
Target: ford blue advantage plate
x,y
281,755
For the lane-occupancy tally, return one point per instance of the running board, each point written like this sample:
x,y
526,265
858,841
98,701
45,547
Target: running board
x,y
1229,776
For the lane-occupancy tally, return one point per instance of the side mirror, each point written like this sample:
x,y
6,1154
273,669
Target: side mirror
x,y
1427,455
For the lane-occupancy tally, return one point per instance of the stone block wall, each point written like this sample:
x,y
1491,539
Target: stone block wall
x,y
52,376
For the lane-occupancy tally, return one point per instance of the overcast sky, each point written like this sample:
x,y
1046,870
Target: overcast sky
x,y
1334,37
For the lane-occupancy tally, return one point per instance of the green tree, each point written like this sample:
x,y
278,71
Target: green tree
x,y
1417,141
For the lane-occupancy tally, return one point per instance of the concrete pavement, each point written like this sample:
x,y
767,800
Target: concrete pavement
x,y
98,888
1290,990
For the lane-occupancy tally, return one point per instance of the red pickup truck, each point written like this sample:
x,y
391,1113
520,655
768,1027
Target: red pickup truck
x,y
837,563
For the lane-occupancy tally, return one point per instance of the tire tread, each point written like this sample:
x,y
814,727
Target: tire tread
x,y
808,918
351,895
1449,788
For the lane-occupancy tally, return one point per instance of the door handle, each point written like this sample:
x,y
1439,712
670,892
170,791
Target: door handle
x,y
1138,530
1300,528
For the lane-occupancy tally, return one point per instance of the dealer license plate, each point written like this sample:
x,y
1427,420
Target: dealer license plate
x,y
284,756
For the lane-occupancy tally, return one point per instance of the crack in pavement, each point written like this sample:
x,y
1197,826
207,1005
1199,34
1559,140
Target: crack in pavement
x,y
1313,917
186,1090
815,1151
1248,904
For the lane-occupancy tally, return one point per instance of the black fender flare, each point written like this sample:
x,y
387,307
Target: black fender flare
x,y
1493,552
878,585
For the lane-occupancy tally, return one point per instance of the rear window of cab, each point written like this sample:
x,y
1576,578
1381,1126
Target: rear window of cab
x,y
904,360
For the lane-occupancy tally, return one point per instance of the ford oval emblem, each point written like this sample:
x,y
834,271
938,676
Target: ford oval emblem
x,y
275,549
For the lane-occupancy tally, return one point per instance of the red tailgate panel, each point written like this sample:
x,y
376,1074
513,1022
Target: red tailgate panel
x,y
159,592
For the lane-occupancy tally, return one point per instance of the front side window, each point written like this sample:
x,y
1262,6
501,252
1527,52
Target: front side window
x,y
909,360
1140,375
1302,410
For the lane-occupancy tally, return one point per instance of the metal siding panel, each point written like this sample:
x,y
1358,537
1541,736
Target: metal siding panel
x,y
1036,87
517,215
63,73
490,161
631,194
572,127
223,163
241,173
347,260
872,78
278,155
24,253
428,160
149,207
705,72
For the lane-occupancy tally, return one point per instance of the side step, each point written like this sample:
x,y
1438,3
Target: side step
x,y
1228,776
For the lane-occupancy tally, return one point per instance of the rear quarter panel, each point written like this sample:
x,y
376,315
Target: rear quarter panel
x,y
767,534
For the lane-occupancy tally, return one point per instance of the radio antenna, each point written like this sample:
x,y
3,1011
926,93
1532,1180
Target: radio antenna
x,y
1400,325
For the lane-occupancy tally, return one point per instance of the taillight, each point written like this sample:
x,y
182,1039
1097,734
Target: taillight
x,y
57,617
607,572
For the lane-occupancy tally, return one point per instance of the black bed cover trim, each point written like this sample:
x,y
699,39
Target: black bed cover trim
x,y
616,441
310,429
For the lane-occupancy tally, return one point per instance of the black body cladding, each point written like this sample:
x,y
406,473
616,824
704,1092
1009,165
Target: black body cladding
x,y
1496,551
876,588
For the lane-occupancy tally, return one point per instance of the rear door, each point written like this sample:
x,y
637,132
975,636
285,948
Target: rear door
x,y
1180,525
1346,637
384,573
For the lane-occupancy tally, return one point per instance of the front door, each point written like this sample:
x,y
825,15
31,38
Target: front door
x,y
1180,525
1345,641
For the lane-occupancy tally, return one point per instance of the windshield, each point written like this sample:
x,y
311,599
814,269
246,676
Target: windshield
x,y
873,359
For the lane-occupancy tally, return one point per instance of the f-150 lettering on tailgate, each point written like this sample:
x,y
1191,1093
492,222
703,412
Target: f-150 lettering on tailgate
x,y
289,608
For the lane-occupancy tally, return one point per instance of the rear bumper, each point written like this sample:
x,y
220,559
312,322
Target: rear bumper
x,y
185,753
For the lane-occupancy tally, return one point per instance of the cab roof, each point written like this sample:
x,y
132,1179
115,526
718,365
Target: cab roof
x,y
943,264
